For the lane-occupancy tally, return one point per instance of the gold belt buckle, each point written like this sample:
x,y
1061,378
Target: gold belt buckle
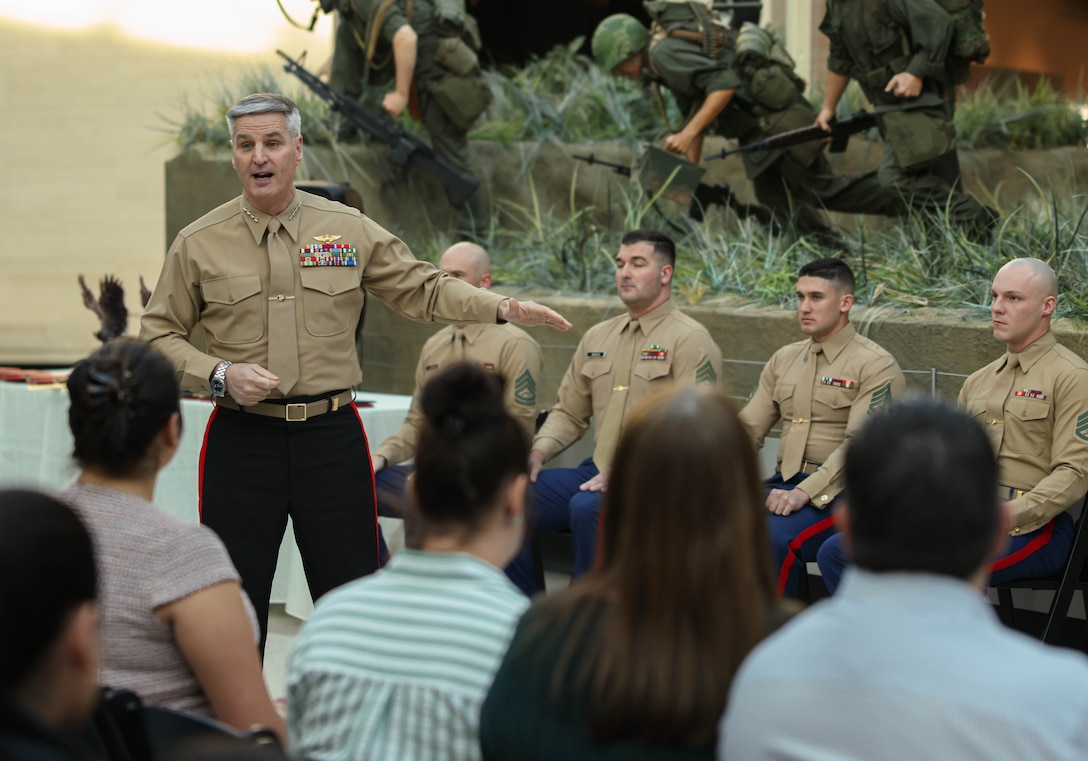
x,y
296,413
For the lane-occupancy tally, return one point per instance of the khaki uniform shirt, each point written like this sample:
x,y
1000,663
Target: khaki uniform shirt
x,y
1044,448
854,377
217,274
506,349
672,348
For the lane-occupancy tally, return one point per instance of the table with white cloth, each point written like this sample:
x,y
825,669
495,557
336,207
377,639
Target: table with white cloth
x,y
36,452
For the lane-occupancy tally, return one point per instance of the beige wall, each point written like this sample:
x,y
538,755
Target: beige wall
x,y
82,115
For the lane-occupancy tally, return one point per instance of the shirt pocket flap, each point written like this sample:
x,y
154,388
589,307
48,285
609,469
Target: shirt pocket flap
x,y
783,391
839,398
595,368
1026,409
652,369
231,289
332,281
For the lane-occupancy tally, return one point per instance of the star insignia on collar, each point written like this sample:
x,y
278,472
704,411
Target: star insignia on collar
x,y
327,239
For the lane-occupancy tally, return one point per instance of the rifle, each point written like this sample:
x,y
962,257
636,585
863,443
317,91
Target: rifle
x,y
405,149
841,130
703,196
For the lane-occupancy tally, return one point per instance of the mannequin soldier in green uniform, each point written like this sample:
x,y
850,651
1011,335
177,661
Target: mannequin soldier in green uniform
x,y
426,45
742,96
897,51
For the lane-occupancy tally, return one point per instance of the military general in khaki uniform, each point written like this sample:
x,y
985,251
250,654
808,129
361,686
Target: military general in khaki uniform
x,y
277,278
616,364
822,388
504,349
1033,403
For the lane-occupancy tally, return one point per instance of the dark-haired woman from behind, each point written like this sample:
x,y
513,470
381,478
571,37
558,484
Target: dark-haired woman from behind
x,y
395,665
49,639
177,629
635,660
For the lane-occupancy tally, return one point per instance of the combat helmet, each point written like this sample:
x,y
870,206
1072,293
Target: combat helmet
x,y
618,38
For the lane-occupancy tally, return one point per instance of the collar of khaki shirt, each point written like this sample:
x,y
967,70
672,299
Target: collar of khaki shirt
x,y
1033,352
653,318
473,330
834,344
257,227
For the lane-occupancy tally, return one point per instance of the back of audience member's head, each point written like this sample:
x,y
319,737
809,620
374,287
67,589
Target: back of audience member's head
x,y
832,269
48,636
121,397
469,449
917,464
684,573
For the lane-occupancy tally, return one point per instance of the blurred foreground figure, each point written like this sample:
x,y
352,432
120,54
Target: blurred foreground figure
x,y
908,660
634,661
395,666
49,638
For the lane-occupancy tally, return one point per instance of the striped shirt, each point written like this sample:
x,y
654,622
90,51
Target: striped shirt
x,y
396,665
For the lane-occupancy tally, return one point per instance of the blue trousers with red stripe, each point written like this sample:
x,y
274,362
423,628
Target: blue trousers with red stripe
x,y
256,471
795,538
557,504
1036,555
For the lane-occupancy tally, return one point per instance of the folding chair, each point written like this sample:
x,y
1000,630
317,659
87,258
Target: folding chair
x,y
1073,578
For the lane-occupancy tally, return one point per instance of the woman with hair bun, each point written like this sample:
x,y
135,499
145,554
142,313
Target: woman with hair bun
x,y
395,665
176,628
634,661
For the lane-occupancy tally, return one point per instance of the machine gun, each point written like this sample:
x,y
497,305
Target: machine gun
x,y
702,195
841,130
405,149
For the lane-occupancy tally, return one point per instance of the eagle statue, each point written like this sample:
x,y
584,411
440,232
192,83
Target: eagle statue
x,y
110,305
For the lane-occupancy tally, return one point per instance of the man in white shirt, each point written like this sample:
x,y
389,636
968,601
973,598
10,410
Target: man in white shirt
x,y
908,661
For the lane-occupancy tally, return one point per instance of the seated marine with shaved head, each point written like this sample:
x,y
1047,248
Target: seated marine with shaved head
x,y
504,349
1033,403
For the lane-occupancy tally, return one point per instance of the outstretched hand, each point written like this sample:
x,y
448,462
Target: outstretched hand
x,y
529,314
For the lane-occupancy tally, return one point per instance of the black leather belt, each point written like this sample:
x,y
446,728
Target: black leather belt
x,y
292,412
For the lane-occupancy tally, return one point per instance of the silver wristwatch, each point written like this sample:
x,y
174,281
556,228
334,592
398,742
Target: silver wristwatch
x,y
219,379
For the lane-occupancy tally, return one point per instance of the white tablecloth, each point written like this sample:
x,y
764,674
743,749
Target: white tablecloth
x,y
36,451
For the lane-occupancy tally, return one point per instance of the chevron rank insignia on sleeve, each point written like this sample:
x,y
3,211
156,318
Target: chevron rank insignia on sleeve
x,y
706,374
1082,427
881,396
525,390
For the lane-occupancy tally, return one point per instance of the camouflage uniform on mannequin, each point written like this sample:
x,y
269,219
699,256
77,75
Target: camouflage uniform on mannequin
x,y
424,48
898,52
742,87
